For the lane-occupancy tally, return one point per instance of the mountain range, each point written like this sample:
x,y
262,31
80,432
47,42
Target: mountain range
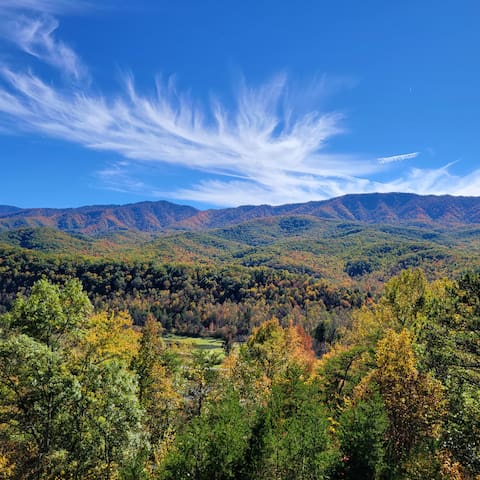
x,y
154,217
350,240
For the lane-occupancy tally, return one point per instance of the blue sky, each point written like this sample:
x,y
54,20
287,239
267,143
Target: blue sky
x,y
220,103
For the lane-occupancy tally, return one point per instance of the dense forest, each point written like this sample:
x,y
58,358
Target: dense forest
x,y
394,394
226,302
343,350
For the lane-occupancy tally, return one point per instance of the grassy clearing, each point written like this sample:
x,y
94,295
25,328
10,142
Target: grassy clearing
x,y
210,344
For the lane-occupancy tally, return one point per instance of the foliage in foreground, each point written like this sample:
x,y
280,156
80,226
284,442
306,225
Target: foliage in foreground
x,y
396,396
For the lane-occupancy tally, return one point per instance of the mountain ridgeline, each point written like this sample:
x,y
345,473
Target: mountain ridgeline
x,y
155,217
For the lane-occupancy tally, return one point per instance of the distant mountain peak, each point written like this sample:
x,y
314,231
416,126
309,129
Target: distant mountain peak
x,y
157,216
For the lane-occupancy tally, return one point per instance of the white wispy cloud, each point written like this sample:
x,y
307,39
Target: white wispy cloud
x,y
260,140
263,150
398,158
35,36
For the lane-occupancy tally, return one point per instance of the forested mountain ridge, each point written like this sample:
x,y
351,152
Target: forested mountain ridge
x,y
97,219
386,208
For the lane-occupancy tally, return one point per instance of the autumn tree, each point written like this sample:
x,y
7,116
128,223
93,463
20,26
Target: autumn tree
x,y
413,400
266,355
159,391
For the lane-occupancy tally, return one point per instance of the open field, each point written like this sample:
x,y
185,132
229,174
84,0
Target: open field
x,y
213,345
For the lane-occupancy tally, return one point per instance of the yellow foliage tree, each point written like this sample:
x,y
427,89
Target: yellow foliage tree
x,y
158,393
413,400
110,335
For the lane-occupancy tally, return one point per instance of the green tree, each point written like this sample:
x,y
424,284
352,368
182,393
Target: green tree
x,y
49,313
104,428
68,406
213,445
361,431
202,377
38,394
292,436
450,348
